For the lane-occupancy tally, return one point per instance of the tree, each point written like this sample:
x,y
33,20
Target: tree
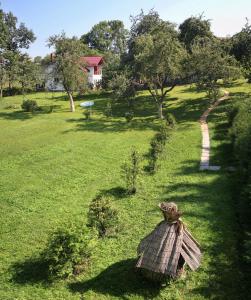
x,y
68,67
158,60
13,38
28,73
193,28
123,88
242,48
208,63
107,36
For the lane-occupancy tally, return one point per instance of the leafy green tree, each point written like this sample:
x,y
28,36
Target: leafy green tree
x,y
242,48
158,57
193,28
28,73
68,66
208,63
123,89
13,38
107,36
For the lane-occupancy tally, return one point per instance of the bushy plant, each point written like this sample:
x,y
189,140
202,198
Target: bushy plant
x,y
103,216
29,105
69,251
87,114
170,119
108,110
131,171
129,116
157,146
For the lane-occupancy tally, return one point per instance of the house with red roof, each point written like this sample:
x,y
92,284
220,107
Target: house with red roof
x,y
92,65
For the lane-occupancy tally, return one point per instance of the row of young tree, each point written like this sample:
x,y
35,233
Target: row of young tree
x,y
153,55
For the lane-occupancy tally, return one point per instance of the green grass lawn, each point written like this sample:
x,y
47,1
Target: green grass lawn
x,y
53,164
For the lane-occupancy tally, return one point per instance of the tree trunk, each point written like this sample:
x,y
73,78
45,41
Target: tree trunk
x,y
72,105
1,91
160,110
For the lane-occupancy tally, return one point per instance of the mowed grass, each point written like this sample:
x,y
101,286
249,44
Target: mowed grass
x,y
53,164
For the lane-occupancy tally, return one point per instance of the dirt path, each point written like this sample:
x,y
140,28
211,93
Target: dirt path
x,y
205,154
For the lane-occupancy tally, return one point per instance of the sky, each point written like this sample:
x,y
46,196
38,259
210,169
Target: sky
x,y
76,17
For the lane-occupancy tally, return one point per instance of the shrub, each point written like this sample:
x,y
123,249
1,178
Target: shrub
x,y
103,216
129,116
131,171
241,137
69,251
29,105
157,144
170,119
108,110
87,114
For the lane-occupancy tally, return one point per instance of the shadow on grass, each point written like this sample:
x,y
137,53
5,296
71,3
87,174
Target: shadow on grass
x,y
118,280
210,198
23,116
31,271
117,192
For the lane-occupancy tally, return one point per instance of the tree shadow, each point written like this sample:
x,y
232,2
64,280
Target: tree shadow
x,y
110,125
16,115
210,199
118,280
31,271
118,192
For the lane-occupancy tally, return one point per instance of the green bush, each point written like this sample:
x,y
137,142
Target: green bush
x,y
69,251
129,116
170,119
103,216
108,110
87,114
131,171
29,105
241,136
157,146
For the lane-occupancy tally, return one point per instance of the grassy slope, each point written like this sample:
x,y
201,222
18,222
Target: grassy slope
x,y
52,165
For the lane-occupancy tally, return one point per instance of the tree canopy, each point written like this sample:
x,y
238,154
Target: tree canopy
x,y
68,67
192,28
107,36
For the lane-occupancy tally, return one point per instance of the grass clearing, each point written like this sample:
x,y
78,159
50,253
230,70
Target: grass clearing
x,y
52,166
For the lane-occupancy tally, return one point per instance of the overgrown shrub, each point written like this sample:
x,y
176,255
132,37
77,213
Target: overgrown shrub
x,y
108,109
103,216
87,114
69,252
241,135
29,105
157,146
170,119
129,116
131,171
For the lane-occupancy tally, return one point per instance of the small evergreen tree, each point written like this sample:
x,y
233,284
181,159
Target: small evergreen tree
x,y
68,252
103,216
131,171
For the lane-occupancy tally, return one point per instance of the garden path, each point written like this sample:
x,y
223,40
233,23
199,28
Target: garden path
x,y
205,154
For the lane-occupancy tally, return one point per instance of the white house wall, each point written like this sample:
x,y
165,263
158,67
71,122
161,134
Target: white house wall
x,y
52,85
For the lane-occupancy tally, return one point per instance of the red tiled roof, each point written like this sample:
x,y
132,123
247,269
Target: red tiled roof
x,y
92,61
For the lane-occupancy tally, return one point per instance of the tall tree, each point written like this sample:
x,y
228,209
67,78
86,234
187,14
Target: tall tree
x,y
68,67
13,38
208,63
28,74
157,56
192,28
242,48
107,36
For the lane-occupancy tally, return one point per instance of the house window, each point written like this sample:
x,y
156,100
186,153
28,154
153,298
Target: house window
x,y
97,70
